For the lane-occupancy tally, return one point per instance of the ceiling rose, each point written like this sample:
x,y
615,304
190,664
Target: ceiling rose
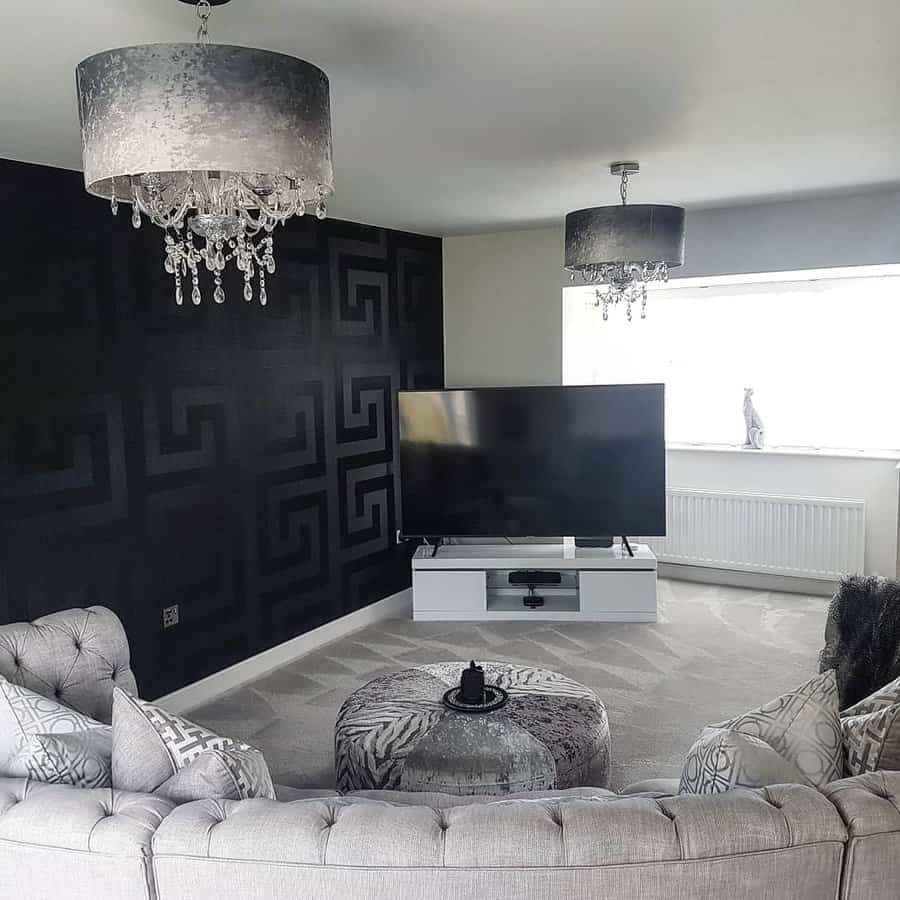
x,y
622,248
215,144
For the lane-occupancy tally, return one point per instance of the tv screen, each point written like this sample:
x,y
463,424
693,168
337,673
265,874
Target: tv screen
x,y
533,461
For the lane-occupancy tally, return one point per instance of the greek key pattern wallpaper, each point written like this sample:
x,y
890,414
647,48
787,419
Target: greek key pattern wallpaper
x,y
238,460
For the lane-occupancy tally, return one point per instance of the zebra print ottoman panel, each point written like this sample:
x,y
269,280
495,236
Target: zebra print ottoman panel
x,y
395,733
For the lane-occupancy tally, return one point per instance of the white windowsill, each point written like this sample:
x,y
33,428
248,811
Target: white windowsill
x,y
788,451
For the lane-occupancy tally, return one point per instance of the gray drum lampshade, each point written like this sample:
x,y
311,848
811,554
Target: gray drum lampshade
x,y
192,107
635,232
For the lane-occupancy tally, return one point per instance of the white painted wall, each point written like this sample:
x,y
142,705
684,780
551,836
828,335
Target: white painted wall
x,y
502,308
503,326
804,475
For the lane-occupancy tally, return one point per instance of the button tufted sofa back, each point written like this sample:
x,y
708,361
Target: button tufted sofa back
x,y
76,656
784,843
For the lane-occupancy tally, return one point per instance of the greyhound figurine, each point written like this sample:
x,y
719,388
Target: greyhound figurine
x,y
755,431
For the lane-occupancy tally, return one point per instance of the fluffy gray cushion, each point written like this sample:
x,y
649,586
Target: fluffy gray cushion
x,y
862,636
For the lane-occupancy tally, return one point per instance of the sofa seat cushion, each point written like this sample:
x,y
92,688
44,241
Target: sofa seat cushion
x,y
284,793
155,751
794,738
662,787
49,742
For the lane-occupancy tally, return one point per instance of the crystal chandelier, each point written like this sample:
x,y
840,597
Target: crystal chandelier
x,y
215,144
623,248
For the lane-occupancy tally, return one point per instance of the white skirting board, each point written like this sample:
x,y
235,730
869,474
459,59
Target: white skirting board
x,y
206,689
758,581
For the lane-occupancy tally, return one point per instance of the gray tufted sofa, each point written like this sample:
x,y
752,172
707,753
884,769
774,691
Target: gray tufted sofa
x,y
787,841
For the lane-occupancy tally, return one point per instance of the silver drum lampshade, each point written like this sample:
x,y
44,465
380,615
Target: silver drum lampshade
x,y
178,108
635,232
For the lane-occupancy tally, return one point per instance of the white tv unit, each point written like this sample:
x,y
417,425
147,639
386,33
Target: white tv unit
x,y
469,582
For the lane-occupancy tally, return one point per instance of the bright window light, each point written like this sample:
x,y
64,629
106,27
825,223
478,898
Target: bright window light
x,y
820,351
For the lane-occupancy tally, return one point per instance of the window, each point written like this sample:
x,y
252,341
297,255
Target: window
x,y
821,351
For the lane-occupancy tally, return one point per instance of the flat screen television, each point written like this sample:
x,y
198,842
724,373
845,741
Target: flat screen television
x,y
533,461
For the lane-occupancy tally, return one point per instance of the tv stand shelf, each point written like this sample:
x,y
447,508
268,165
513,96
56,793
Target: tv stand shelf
x,y
469,582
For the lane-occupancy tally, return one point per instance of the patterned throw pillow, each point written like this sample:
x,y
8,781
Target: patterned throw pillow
x,y
155,751
879,700
872,740
794,738
46,741
721,760
872,731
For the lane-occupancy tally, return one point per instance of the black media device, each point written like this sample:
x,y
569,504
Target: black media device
x,y
603,542
535,576
585,460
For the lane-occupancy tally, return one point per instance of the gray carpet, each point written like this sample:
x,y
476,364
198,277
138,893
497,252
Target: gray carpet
x,y
714,652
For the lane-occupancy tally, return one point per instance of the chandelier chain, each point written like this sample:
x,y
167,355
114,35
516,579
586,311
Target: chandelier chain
x,y
623,187
204,11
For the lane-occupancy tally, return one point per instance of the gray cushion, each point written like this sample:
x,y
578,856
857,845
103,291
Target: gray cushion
x,y
44,740
794,738
871,731
721,760
664,787
284,793
158,752
872,740
878,700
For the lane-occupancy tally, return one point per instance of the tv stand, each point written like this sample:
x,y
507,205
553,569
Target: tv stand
x,y
493,582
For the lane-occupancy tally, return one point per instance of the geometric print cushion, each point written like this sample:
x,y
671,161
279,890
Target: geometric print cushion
x,y
83,759
721,760
794,738
872,740
802,725
46,741
880,699
155,751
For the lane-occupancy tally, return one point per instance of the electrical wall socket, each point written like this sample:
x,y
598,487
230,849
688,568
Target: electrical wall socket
x,y
170,616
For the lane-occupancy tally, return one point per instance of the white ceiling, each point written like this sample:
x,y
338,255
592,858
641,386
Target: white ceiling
x,y
465,115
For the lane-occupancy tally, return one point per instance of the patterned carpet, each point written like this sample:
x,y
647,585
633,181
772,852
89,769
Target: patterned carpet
x,y
715,652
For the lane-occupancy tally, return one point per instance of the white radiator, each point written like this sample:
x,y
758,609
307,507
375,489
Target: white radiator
x,y
807,537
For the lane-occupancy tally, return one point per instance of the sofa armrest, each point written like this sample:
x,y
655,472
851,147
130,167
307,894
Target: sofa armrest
x,y
870,807
869,804
76,656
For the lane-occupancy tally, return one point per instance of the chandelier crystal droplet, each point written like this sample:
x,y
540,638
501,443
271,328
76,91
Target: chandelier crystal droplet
x,y
217,145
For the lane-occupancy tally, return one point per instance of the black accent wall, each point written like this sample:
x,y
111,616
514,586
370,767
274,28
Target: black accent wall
x,y
236,460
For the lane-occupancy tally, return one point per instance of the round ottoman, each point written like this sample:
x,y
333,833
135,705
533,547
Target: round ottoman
x,y
395,733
